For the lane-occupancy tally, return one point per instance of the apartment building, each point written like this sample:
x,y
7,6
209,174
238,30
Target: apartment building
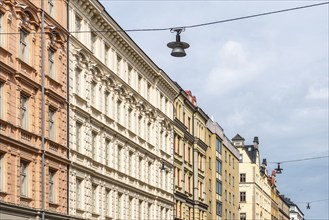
x,y
33,110
121,121
254,187
183,156
225,188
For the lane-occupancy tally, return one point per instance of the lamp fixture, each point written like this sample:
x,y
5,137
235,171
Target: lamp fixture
x,y
178,47
308,206
278,170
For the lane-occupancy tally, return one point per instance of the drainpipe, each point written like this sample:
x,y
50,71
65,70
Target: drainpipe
x,y
42,112
193,164
68,106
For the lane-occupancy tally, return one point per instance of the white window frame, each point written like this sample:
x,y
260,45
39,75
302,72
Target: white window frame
x,y
52,123
24,99
51,7
52,185
24,178
51,63
24,45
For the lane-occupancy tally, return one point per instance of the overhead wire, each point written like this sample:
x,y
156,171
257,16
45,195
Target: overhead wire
x,y
192,26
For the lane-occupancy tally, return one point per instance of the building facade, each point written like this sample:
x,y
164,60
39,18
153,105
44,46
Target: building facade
x,y
254,187
225,174
33,110
121,121
183,157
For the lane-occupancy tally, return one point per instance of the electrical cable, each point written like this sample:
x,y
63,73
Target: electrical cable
x,y
195,25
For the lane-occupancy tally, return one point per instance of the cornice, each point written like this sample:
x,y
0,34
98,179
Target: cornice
x,y
200,143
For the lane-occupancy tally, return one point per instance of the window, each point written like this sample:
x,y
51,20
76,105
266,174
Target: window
x,y
23,41
1,172
106,55
119,111
119,59
0,29
139,86
1,95
107,147
218,187
51,7
78,25
218,146
93,42
243,216
218,208
130,72
229,159
51,124
242,177
93,93
225,156
77,81
78,193
209,163
242,196
24,178
241,158
148,91
93,144
108,202
23,111
51,185
94,198
78,134
51,63
218,166
233,181
106,102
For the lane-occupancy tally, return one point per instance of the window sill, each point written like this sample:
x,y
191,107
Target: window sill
x,y
53,204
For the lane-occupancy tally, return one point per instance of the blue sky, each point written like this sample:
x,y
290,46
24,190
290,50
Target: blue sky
x,y
264,76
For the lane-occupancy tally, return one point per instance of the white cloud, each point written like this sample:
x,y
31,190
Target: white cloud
x,y
317,93
236,66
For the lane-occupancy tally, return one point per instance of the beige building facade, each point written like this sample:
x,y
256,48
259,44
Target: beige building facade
x,y
254,187
121,121
33,155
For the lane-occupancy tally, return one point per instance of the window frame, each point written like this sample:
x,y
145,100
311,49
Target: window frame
x,y
23,45
52,185
24,175
24,102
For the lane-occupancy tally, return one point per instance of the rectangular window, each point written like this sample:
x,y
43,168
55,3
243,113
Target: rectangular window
x,y
107,100
225,156
1,172
106,55
218,208
218,146
119,111
78,26
119,157
218,166
209,163
119,59
148,91
51,7
218,187
242,196
93,42
93,144
93,93
241,158
51,124
78,135
0,29
78,193
130,118
242,177
94,198
51,185
23,40
243,216
107,147
77,81
51,63
130,72
24,178
1,97
23,111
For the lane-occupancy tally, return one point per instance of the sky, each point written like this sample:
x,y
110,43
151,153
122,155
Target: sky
x,y
265,76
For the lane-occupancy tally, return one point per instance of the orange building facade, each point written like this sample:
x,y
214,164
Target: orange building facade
x,y
32,82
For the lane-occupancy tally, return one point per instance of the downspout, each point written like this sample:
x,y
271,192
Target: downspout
x,y
68,106
193,165
42,112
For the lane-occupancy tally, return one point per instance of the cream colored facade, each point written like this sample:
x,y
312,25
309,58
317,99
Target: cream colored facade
x,y
121,123
21,146
254,187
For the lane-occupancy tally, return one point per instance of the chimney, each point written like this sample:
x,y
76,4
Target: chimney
x,y
256,142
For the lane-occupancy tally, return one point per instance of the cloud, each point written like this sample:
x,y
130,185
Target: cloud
x,y
317,93
236,67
